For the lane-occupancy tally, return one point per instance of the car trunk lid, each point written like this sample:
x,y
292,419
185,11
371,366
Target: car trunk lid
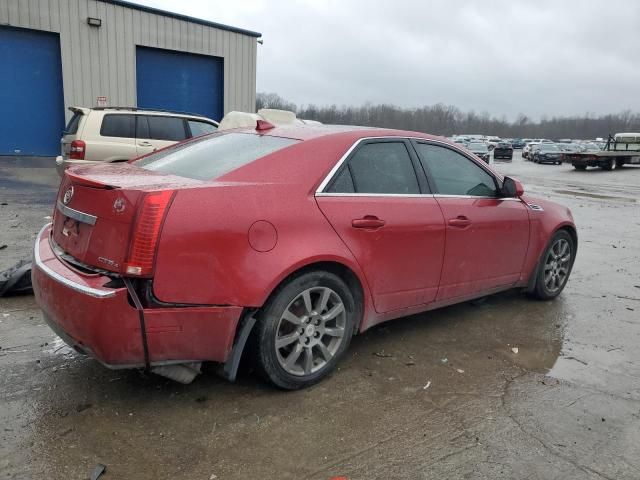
x,y
99,208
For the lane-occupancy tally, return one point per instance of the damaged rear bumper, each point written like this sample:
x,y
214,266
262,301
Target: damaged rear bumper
x,y
103,322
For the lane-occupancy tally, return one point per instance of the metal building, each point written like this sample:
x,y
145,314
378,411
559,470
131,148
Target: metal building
x,y
60,53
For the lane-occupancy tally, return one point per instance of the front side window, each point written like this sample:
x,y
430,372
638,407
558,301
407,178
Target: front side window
x,y
208,158
200,128
383,167
117,125
454,174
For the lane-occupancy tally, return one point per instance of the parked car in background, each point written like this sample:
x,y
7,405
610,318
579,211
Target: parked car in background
x,y
118,134
590,147
570,147
546,153
298,236
518,143
492,142
503,151
526,151
480,149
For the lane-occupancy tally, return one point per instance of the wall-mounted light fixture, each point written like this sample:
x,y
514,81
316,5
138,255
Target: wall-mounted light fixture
x,y
94,22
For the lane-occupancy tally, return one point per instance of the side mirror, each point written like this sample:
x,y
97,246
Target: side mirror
x,y
511,188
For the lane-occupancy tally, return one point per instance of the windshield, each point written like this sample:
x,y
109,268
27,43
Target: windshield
x,y
213,156
478,147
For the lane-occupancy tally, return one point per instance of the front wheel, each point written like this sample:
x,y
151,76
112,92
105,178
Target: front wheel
x,y
304,329
555,266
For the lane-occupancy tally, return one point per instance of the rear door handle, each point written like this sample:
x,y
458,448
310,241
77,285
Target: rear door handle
x,y
368,221
460,221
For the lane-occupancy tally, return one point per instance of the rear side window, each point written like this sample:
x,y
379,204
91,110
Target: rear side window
x,y
211,157
166,128
72,126
455,174
200,128
117,125
378,168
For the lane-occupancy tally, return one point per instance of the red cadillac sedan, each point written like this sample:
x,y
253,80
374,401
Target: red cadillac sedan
x,y
298,237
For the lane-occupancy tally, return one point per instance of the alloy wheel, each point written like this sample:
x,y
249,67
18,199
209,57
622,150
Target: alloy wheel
x,y
557,265
310,331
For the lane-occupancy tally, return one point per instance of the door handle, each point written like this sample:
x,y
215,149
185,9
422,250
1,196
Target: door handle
x,y
368,221
145,144
460,221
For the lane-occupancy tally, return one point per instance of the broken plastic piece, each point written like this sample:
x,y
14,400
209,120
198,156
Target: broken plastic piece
x,y
16,280
427,385
98,471
515,350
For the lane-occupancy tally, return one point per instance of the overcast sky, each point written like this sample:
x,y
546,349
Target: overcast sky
x,y
500,56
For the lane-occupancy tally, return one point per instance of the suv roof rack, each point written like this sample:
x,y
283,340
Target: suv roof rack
x,y
139,109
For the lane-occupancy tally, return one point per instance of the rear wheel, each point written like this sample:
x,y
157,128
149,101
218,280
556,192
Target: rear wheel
x,y
304,329
555,266
610,165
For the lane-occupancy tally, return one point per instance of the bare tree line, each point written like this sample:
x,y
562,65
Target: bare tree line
x,y
447,120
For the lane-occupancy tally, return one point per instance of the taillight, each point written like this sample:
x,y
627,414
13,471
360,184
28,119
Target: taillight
x,y
77,150
146,232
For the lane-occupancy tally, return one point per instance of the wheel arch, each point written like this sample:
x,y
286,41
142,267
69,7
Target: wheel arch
x,y
571,230
341,269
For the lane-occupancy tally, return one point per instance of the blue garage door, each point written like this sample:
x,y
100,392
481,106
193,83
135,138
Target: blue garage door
x,y
31,98
180,81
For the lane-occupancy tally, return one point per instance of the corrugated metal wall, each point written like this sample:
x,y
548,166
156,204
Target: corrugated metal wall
x,y
100,61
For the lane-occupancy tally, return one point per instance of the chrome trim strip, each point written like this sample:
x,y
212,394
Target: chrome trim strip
x,y
416,195
335,168
93,292
76,214
395,195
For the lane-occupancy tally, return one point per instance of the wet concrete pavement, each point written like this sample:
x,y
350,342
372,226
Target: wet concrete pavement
x,y
567,405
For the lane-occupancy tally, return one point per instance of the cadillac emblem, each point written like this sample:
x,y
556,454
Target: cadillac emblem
x,y
119,205
68,195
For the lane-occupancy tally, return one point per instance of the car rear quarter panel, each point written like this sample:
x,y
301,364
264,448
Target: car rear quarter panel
x,y
205,256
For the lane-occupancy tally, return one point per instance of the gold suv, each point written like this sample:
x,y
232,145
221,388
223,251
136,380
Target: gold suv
x,y
118,134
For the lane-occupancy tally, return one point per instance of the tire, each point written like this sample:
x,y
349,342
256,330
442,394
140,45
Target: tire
x,y
610,165
579,167
551,274
292,318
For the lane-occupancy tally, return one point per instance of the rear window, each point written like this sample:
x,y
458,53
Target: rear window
x,y
213,156
117,125
200,128
72,126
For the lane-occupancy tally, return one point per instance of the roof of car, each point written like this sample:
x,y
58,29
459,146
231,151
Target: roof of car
x,y
309,132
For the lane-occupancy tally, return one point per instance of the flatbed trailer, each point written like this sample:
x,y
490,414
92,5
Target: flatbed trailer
x,y
621,149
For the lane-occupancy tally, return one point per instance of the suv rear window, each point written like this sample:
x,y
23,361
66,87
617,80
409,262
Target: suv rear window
x,y
117,125
211,157
72,126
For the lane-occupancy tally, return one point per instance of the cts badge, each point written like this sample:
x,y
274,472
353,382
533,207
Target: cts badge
x,y
68,195
119,205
